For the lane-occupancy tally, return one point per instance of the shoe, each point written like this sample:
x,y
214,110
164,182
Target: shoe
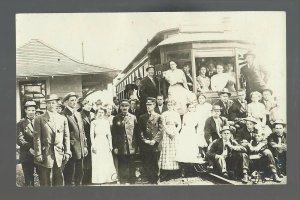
x,y
225,175
276,178
280,176
245,179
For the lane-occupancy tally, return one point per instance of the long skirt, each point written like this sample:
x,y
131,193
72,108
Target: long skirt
x,y
168,153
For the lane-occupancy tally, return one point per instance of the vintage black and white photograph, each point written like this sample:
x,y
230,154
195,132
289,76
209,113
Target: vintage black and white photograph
x,y
151,99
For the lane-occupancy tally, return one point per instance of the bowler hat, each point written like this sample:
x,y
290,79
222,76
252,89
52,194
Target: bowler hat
x,y
251,119
124,102
150,101
150,66
30,104
224,91
70,94
225,128
52,97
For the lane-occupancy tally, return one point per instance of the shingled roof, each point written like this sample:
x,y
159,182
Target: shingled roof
x,y
37,59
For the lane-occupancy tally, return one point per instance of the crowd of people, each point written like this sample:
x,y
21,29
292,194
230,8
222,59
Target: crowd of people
x,y
97,144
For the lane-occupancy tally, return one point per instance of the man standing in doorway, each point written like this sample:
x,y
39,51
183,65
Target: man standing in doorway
x,y
255,76
148,87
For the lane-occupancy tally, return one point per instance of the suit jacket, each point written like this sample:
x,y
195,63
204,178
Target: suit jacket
x,y
125,133
274,138
51,139
86,119
77,134
25,140
225,111
151,128
237,110
164,108
137,112
210,129
148,89
210,75
217,147
189,81
244,134
255,78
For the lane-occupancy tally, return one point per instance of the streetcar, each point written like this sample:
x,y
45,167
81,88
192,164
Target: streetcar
x,y
191,46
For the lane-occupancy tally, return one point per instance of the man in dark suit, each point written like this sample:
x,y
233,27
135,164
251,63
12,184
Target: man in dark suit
x,y
277,142
124,141
51,144
74,168
149,87
133,107
247,132
211,70
151,133
238,110
214,124
160,106
225,103
269,102
254,76
25,141
227,154
188,76
87,117
261,156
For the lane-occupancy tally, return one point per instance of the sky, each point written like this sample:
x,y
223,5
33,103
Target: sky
x,y
114,39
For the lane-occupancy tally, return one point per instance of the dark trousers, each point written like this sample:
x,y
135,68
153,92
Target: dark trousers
x,y
28,171
51,176
150,165
267,161
126,168
236,162
73,170
280,159
87,170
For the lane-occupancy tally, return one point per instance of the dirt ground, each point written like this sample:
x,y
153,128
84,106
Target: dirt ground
x,y
177,181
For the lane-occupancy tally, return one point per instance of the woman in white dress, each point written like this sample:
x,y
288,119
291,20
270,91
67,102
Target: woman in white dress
x,y
203,110
172,125
103,169
186,142
178,88
221,79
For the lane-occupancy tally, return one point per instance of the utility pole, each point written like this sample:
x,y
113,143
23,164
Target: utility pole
x,y
82,51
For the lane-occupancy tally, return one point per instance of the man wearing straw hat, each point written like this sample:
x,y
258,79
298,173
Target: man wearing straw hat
x,y
74,168
25,141
51,144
